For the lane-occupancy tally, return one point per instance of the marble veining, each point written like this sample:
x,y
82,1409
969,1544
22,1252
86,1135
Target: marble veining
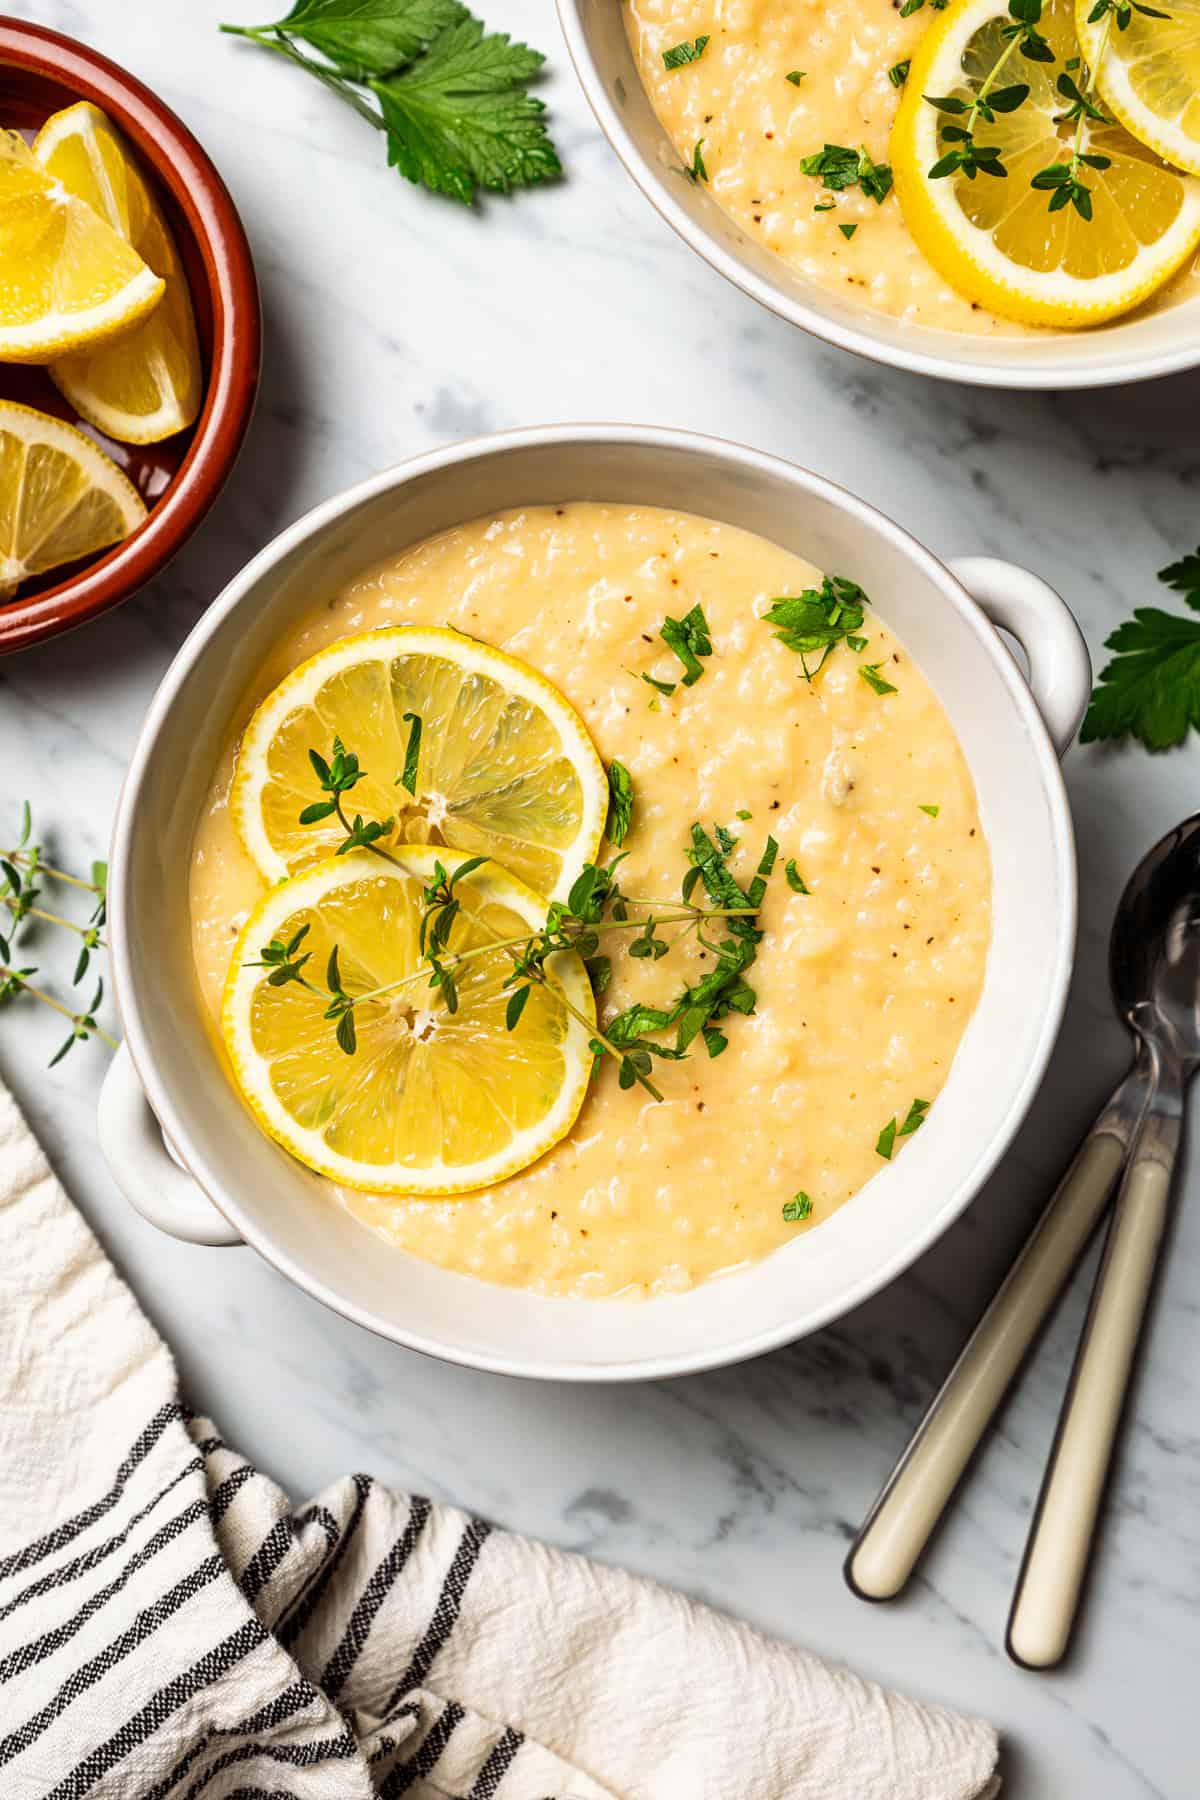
x,y
396,322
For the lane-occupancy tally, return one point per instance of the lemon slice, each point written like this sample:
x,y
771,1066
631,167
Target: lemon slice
x,y
66,278
506,767
146,385
60,497
1149,75
995,239
430,1102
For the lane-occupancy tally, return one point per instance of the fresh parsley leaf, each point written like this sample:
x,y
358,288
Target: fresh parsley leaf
x,y
847,231
663,687
1151,688
872,677
460,118
689,639
839,167
743,812
682,54
933,811
795,879
818,619
798,1208
620,803
697,170
364,38
914,1118
898,73
796,76
824,205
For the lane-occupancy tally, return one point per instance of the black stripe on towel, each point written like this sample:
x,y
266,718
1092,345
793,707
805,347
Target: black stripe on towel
x,y
222,1496
299,1756
445,1613
82,1564
292,1622
293,1700
497,1765
337,1669
88,1673
26,1656
437,1737
158,1709
266,1559
71,1528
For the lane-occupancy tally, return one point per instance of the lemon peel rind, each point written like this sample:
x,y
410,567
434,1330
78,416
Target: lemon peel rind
x,y
299,687
30,427
439,1180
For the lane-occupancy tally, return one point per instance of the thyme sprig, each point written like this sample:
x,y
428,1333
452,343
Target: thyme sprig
x,y
596,904
22,869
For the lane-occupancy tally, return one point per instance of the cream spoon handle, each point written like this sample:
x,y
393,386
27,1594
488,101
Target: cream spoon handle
x,y
1060,1539
915,1495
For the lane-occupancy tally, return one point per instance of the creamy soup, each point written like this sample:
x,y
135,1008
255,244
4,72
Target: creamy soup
x,y
864,984
756,127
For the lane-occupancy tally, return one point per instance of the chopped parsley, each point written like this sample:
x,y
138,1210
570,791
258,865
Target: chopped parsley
x,y
872,677
898,73
412,755
839,167
663,687
796,76
682,54
913,1119
1151,688
847,231
689,639
818,619
824,205
743,813
620,803
696,171
856,643
933,811
795,879
798,1208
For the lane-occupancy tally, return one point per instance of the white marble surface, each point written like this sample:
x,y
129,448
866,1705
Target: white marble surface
x,y
742,1487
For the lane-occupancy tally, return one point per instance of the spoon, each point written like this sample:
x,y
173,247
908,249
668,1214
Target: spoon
x,y
1154,961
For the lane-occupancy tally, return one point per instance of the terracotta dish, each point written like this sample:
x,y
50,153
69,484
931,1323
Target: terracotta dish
x,y
40,72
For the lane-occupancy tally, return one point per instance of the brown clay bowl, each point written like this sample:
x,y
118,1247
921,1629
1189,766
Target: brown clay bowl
x,y
40,72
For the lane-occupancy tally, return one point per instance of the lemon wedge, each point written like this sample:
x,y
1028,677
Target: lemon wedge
x,y
146,385
66,278
1149,75
429,1102
995,239
505,768
60,497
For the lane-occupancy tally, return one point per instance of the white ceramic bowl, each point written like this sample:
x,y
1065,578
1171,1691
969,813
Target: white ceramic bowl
x,y
1130,350
265,1197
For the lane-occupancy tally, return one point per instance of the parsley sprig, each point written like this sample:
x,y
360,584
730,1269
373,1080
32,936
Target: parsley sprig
x,y
815,621
1151,688
451,98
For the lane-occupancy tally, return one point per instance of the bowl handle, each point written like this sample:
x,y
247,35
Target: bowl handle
x,y
1060,670
143,1166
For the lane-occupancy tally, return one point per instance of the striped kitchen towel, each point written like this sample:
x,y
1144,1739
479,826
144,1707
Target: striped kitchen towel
x,y
171,1627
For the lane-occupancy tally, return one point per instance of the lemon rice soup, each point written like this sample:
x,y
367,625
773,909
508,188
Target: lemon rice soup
x,y
823,128
783,962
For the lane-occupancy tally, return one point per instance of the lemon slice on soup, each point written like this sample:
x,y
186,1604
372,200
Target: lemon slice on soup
x,y
146,385
60,497
504,766
430,1101
1149,74
996,239
66,277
